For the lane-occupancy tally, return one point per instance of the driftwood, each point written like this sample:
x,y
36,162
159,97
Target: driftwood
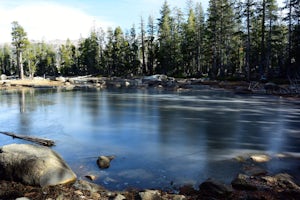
x,y
44,142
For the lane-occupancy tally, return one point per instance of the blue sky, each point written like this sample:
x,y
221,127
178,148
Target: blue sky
x,y
62,19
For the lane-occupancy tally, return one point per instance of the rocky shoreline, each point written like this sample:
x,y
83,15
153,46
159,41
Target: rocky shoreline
x,y
155,81
254,182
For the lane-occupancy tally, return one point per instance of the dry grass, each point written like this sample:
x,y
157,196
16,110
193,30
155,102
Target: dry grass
x,y
31,82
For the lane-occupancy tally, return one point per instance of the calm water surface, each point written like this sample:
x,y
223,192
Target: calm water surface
x,y
160,139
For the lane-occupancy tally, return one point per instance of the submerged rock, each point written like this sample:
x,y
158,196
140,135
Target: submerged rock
x,y
260,158
104,161
34,165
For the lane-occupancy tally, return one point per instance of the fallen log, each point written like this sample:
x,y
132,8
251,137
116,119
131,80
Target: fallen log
x,y
44,142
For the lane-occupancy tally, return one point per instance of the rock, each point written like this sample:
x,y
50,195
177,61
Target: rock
x,y
150,195
61,79
67,83
91,177
254,171
34,165
260,158
104,161
215,188
85,185
22,198
242,90
286,181
96,195
243,182
127,83
3,77
179,197
271,88
187,190
120,197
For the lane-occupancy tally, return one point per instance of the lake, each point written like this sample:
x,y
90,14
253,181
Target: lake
x,y
160,139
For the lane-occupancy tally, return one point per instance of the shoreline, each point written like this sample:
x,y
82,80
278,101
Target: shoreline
x,y
254,183
155,81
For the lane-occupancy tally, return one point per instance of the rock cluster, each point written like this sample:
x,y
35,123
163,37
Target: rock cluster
x,y
40,166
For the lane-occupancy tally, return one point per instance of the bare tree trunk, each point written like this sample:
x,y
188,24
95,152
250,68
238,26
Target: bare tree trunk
x,y
144,66
41,141
20,64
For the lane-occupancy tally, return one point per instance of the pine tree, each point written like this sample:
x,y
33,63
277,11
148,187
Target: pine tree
x,y
20,42
189,46
164,39
200,38
46,59
220,29
249,12
67,59
108,53
90,55
151,45
120,46
293,21
133,62
6,60
30,55
271,20
176,66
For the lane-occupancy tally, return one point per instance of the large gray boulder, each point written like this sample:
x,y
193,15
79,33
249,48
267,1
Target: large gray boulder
x,y
34,165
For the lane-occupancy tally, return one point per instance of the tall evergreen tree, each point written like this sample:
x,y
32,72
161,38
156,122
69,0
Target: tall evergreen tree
x,y
176,66
200,38
293,21
164,39
19,41
189,46
6,65
249,12
151,45
46,59
67,59
220,31
31,59
90,54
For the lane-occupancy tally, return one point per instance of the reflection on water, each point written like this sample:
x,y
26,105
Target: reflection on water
x,y
158,138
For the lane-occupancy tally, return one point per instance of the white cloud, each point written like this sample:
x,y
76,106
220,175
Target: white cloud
x,y
48,21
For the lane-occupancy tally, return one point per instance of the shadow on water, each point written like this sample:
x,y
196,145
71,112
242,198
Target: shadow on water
x,y
160,139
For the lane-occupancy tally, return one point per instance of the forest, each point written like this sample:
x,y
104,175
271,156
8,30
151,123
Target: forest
x,y
232,39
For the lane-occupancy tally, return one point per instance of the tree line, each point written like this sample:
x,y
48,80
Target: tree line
x,y
233,39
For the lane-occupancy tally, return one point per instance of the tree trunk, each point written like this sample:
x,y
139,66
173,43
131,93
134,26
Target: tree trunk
x,y
20,64
144,66
248,42
41,141
263,28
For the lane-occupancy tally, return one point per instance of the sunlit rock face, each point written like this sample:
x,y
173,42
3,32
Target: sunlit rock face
x,y
34,165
